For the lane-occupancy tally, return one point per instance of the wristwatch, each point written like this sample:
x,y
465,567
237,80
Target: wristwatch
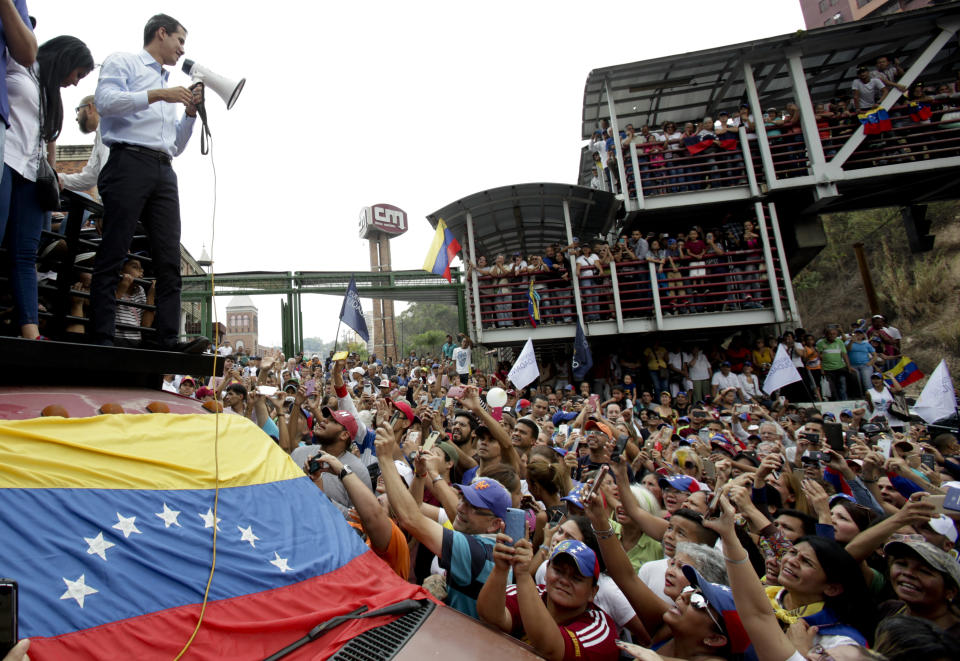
x,y
346,471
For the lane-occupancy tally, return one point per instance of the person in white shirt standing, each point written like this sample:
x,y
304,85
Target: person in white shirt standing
x,y
89,122
461,359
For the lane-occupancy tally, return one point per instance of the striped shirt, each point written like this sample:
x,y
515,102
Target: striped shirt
x,y
129,315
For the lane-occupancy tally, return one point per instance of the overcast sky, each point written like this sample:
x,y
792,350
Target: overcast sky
x,y
415,104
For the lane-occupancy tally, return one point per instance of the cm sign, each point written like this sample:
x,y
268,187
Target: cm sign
x,y
384,218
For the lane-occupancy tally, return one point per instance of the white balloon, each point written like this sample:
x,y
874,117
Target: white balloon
x,y
496,397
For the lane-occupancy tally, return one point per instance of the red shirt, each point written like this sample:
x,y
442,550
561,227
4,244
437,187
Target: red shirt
x,y
592,635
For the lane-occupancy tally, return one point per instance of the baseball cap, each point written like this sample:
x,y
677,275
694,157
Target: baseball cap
x,y
341,418
384,383
487,493
846,412
939,559
835,498
725,363
593,424
943,525
575,496
683,483
204,391
401,405
186,379
581,554
720,597
449,449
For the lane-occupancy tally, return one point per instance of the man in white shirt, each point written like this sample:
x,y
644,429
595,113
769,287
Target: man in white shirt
x,y
89,122
586,268
676,359
461,359
724,379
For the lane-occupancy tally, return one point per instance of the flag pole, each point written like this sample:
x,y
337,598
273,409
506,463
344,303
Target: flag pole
x,y
336,338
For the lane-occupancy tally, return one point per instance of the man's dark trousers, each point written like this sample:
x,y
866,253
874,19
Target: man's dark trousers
x,y
137,185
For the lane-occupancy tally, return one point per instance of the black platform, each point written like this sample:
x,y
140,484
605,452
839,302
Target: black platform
x,y
43,362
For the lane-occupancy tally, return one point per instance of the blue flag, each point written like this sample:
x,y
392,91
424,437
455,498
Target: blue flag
x,y
351,313
582,359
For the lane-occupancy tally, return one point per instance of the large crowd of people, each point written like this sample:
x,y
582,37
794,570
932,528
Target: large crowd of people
x,y
655,512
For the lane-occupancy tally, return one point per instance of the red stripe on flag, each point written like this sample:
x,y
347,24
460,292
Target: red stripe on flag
x,y
248,627
452,249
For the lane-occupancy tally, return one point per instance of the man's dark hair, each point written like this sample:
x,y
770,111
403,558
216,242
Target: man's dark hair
x,y
464,413
704,534
539,396
168,23
531,424
237,389
808,522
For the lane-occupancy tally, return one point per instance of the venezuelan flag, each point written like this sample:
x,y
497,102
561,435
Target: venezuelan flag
x,y
920,112
904,373
876,120
442,251
108,526
533,304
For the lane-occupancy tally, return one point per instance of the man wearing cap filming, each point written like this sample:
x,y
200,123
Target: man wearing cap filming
x,y
465,552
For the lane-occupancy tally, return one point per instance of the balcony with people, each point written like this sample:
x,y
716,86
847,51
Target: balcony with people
x,y
848,112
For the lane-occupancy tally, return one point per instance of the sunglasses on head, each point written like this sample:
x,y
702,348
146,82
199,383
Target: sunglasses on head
x,y
698,601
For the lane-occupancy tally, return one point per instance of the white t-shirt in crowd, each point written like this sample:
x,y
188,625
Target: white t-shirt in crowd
x,y
750,385
731,380
461,357
654,575
699,368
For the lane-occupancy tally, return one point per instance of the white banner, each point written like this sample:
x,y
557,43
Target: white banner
x,y
525,370
938,399
782,372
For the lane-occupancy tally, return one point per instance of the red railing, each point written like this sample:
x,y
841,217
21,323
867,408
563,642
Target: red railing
x,y
718,283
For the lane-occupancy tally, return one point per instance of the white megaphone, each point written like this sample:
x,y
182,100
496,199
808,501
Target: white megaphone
x,y
227,89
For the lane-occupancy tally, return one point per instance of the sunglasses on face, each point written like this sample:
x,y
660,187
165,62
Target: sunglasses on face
x,y
698,601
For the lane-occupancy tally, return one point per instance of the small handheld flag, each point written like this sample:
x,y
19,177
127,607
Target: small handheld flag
x,y
442,251
351,313
782,372
904,373
533,305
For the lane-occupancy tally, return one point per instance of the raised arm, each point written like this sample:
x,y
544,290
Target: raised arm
x,y
508,453
375,521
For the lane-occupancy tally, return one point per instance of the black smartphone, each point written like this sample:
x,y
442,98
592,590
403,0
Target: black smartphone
x,y
9,629
314,464
834,434
555,517
928,460
621,446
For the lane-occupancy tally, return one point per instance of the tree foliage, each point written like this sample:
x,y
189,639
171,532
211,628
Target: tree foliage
x,y
422,319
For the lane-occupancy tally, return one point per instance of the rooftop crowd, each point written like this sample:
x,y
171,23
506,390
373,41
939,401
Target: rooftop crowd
x,y
651,517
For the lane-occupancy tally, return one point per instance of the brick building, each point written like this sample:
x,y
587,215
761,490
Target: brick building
x,y
818,13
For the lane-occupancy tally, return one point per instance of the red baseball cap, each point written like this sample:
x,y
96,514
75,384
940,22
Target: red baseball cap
x,y
402,405
342,418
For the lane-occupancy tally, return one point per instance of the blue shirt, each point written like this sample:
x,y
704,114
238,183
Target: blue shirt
x,y
21,6
859,353
468,561
126,115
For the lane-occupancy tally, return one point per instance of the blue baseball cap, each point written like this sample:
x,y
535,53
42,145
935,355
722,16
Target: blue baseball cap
x,y
829,416
487,493
720,597
683,483
575,497
681,392
582,555
847,412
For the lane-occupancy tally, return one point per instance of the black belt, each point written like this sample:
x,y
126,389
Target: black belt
x,y
159,155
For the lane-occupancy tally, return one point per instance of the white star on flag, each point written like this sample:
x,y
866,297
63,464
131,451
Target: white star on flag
x,y
77,589
280,563
98,545
208,519
246,535
126,525
169,516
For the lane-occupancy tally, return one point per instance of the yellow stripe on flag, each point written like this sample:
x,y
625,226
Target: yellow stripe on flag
x,y
157,451
435,247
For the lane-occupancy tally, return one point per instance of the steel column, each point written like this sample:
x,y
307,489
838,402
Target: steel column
x,y
616,143
615,285
784,265
636,175
768,260
748,162
474,283
574,280
754,98
655,290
